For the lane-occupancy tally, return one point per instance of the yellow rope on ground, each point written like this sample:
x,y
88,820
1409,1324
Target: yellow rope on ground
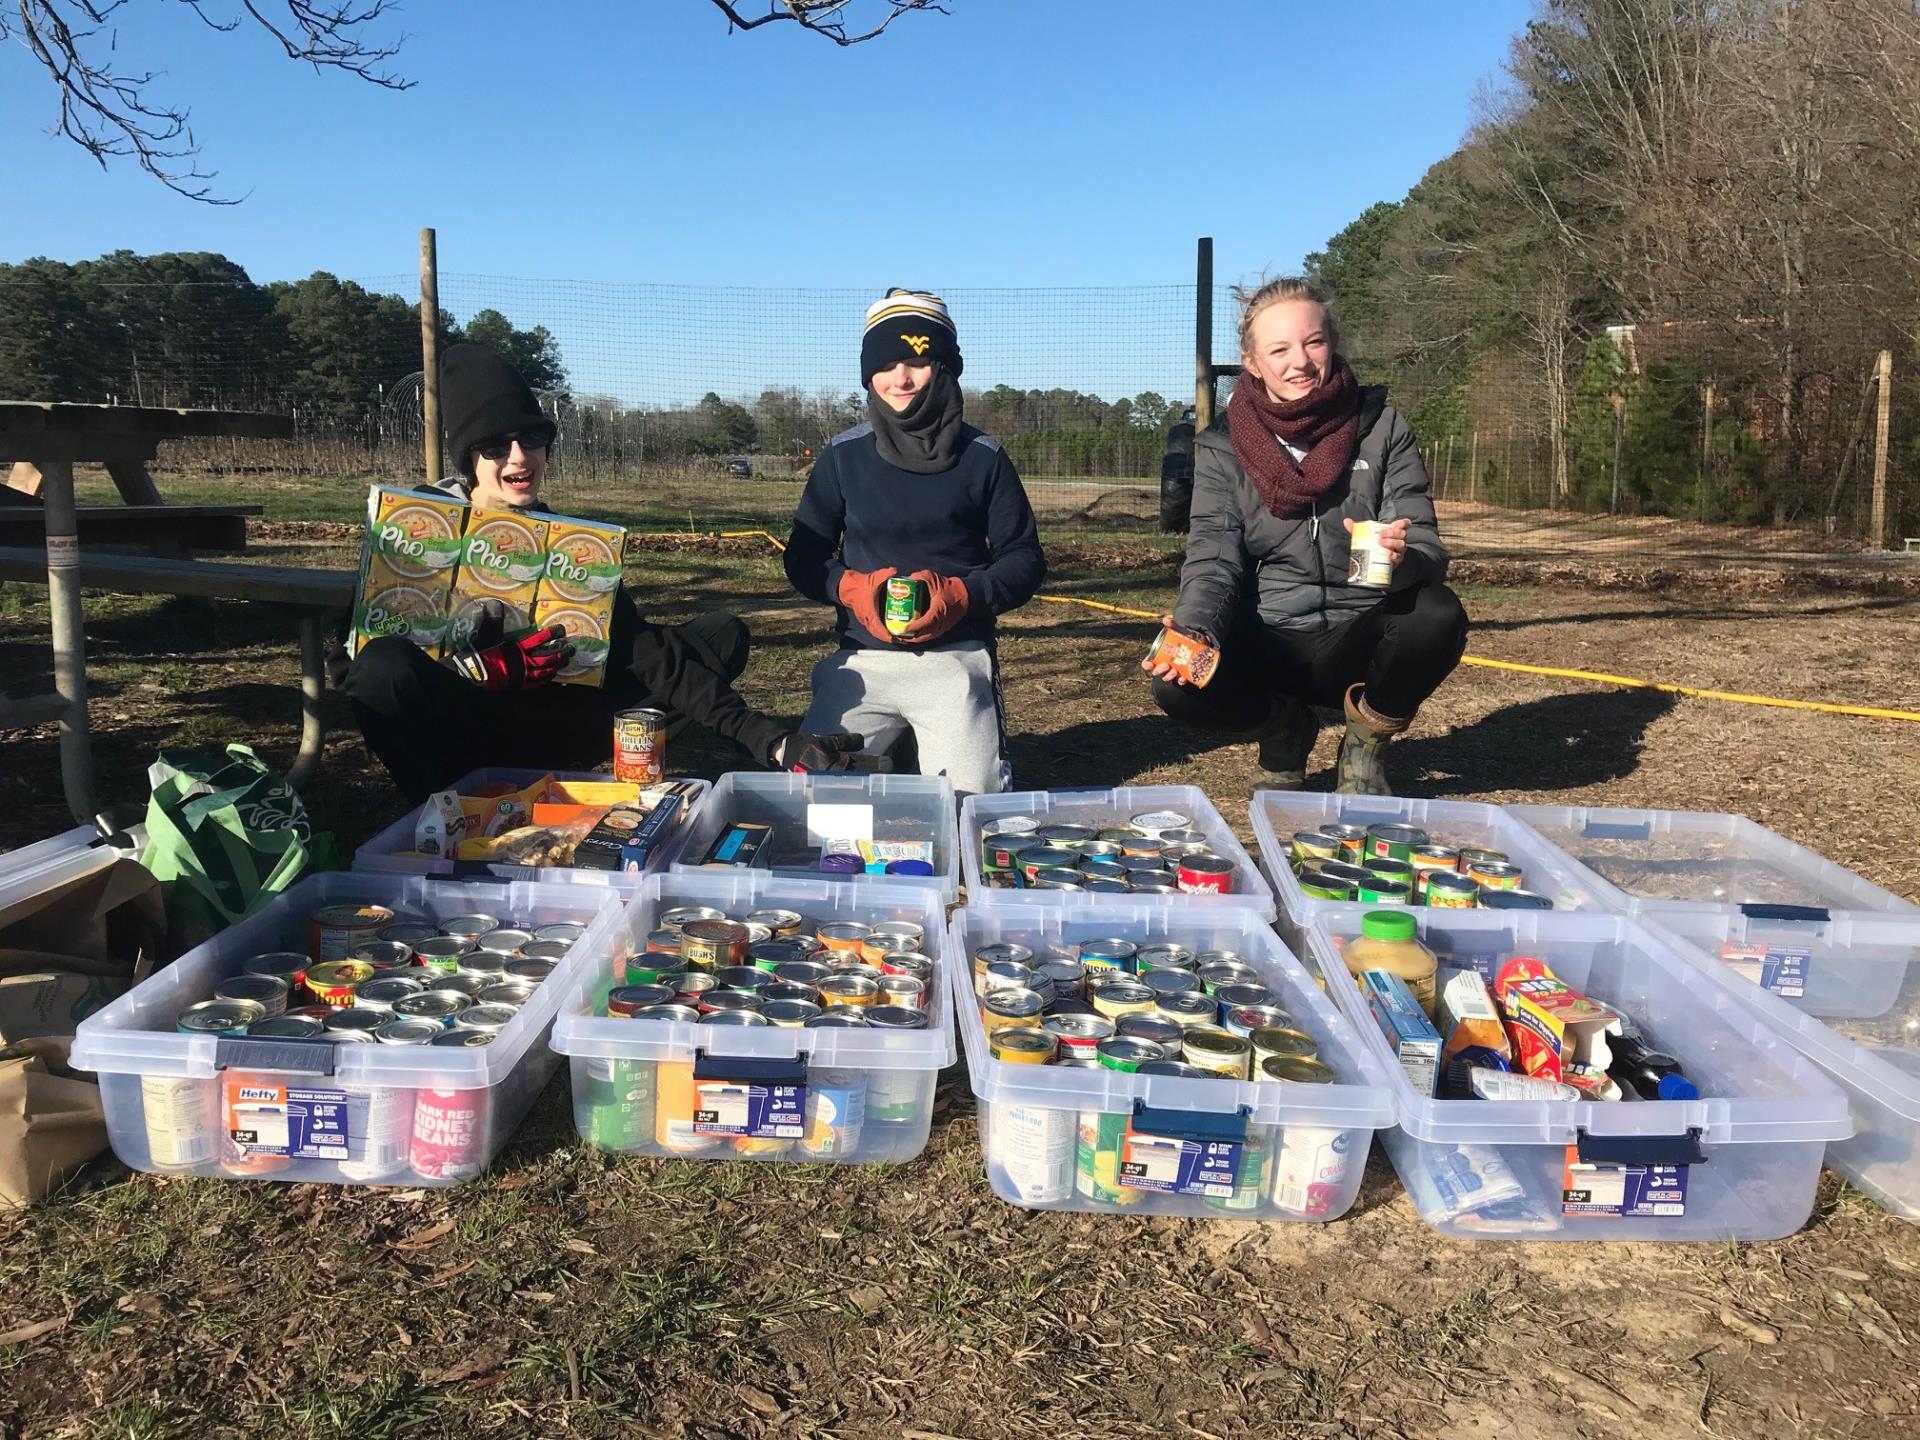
x,y
1596,677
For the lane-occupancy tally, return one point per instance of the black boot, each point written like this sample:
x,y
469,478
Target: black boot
x,y
1286,740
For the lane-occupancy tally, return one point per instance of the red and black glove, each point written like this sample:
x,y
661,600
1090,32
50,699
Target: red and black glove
x,y
860,591
523,663
947,603
807,754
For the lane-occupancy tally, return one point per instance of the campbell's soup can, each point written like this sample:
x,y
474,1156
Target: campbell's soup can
x,y
1205,875
640,746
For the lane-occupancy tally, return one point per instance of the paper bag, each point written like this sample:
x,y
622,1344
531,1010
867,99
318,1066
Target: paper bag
x,y
51,1121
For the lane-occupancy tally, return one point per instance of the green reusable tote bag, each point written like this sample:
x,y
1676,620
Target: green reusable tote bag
x,y
224,836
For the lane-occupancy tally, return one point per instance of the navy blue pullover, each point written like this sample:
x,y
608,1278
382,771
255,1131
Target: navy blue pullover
x,y
861,513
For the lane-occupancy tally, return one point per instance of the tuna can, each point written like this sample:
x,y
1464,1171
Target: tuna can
x,y
409,1032
1205,874
1022,1045
183,1121
711,944
640,746
561,932
1492,875
1188,1010
470,927
436,1005
1381,890
1219,1052
747,979
1119,998
1078,1034
334,982
909,991
381,992
335,931
220,1017
905,602
1352,839
682,916
1451,892
1245,1019
1006,1009
267,991
1513,900
289,965
485,1017
447,953
1282,1044
1156,1028
855,991
1310,846
1395,842
385,954
789,1014
1316,885
626,1000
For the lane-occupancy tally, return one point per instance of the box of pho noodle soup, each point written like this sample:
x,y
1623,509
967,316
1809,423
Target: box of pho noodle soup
x,y
578,590
408,560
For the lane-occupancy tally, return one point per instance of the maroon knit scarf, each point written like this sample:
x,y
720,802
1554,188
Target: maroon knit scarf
x,y
1324,422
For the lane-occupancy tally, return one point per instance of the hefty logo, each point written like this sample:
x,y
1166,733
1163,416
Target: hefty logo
x,y
259,1092
396,540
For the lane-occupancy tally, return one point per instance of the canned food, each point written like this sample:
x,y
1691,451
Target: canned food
x,y
855,991
644,967
789,1014
1299,1069
484,965
561,932
756,932
437,1005
1229,998
485,1017
835,1113
551,951
1109,953
450,1129
412,1031
334,982
1165,825
1492,875
1149,958
335,931
467,985
711,944
1103,870
407,932
898,1017
1062,977
1001,850
844,937
1283,1043
1352,839
346,1025
1157,1028
904,962
1147,866
780,922
1059,879
1006,1008
803,972
267,991
469,927
385,954
748,979
781,990
689,985
1219,1052
447,953
460,1038
990,954
504,992
861,969
1022,1045
289,965
891,935
1071,837
1470,856
906,601
640,746
681,916
1312,846
220,1017
1395,842
1041,856
529,972
1204,874
841,1019
909,991
286,1027
717,1002
1245,1019
1170,982
1190,658
1391,868
1350,875
1192,1008
625,1000
1513,900
1127,1055
1016,824
1317,885
1451,892
504,941
1078,1033
1381,890
1216,973
1179,1070
382,991
1122,997
1153,885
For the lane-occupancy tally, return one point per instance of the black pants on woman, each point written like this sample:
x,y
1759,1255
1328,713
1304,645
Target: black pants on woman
x,y
430,726
1403,648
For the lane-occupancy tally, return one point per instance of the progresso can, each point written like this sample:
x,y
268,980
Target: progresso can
x,y
640,746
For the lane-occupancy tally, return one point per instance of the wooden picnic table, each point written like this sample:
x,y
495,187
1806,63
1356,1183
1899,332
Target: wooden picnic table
x,y
50,439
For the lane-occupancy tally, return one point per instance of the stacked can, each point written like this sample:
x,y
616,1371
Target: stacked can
x,y
1394,864
765,967
1153,853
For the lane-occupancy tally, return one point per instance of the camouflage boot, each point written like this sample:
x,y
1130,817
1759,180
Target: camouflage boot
x,y
1362,767
1286,740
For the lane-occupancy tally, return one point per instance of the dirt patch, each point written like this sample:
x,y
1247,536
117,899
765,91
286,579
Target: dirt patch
x,y
573,1292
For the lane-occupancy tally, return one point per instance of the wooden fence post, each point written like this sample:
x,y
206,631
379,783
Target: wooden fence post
x,y
1883,419
430,353
1203,336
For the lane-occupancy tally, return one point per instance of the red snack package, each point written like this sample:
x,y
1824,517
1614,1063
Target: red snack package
x,y
1557,1033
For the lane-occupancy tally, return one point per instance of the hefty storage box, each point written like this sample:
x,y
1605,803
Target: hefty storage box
x,y
1057,1137
1738,1163
341,1114
713,1091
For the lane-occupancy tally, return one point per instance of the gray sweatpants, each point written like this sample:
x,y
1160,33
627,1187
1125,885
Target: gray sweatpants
x,y
949,697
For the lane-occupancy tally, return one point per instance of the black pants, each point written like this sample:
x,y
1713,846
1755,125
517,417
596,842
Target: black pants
x,y
1402,648
430,726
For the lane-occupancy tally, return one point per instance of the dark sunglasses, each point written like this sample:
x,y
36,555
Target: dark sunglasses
x,y
499,447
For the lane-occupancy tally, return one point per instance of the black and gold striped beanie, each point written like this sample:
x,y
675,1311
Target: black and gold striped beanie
x,y
909,325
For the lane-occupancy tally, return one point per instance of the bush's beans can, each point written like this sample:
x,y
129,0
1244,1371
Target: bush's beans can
x,y
1492,875
1352,839
335,931
1394,841
1189,657
1188,1010
183,1121
1513,900
269,992
1311,846
640,746
334,982
289,965
1078,1034
449,1140
712,944
1450,892
446,953
469,927
1204,874
906,601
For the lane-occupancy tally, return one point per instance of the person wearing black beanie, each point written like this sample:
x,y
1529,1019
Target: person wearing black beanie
x,y
492,704
916,494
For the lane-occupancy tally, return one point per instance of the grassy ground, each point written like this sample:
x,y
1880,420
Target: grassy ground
x,y
573,1292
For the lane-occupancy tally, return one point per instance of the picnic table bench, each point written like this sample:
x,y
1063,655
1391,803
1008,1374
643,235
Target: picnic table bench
x,y
164,529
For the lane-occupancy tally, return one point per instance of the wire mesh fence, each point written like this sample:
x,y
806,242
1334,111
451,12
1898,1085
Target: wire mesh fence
x,y
702,407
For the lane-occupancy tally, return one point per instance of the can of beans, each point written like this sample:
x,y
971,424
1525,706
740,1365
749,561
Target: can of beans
x,y
1382,890
1008,1008
334,982
1218,1052
906,602
1492,875
335,931
1309,847
1316,885
1022,1045
1352,839
1189,657
640,746
682,916
1449,892
712,944
854,991
1513,900
1205,874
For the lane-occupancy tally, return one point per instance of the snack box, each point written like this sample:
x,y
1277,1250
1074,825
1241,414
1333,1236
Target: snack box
x,y
505,555
389,603
589,625
584,559
417,534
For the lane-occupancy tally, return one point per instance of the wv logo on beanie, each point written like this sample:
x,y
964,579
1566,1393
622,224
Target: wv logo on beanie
x,y
919,343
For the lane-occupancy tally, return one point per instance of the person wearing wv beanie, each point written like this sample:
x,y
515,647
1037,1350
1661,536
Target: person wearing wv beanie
x,y
919,493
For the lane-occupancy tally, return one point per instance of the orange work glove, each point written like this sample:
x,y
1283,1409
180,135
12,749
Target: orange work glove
x,y
860,592
946,608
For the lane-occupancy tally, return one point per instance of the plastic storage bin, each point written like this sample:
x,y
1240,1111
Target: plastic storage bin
x,y
34,869
1875,1057
382,855
1104,808
1285,1151
866,1096
359,1100
1740,1163
1277,814
916,807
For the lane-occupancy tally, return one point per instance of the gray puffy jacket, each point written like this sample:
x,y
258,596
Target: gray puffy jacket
x,y
1298,566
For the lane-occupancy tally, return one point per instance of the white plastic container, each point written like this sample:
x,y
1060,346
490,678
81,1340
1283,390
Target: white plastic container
x,y
805,809
37,868
1101,809
385,853
1299,1149
163,1091
1740,1163
1277,814
1874,1054
874,1088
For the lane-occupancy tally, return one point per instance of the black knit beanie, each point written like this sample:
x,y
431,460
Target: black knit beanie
x,y
481,397
909,325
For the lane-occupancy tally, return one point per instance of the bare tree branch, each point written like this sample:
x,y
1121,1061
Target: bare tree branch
x,y
106,106
823,17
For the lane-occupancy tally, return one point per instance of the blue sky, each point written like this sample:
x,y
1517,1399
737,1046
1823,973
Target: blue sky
x,y
1010,144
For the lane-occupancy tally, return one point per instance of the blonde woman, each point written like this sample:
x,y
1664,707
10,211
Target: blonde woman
x,y
1306,452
